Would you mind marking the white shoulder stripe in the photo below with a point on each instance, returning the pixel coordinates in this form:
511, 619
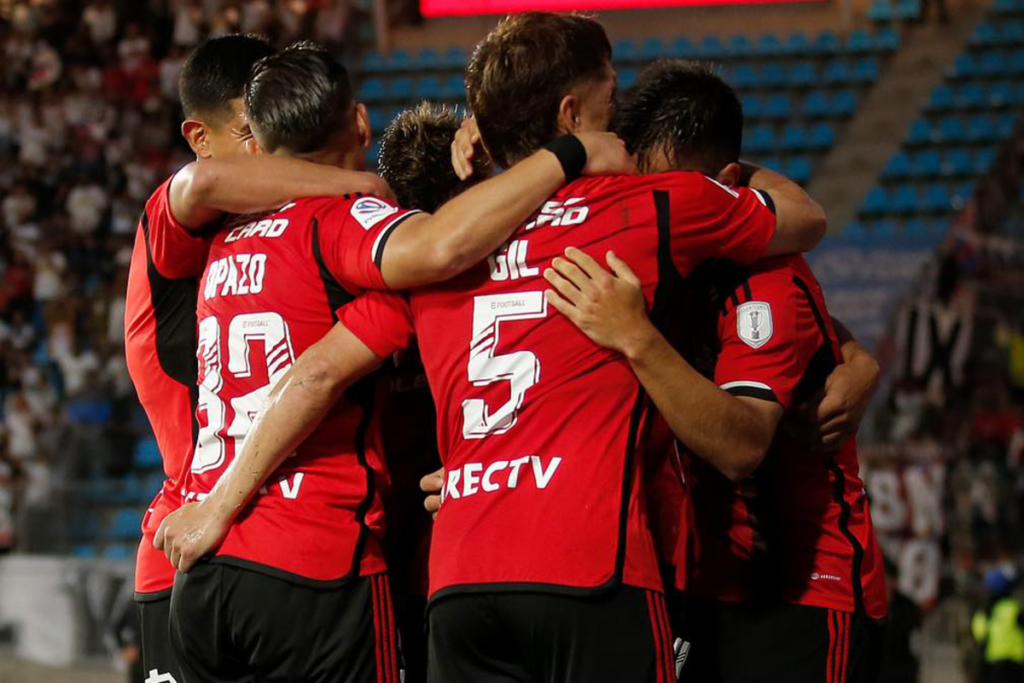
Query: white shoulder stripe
745, 383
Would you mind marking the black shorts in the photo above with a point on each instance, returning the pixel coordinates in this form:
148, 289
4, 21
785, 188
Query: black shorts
410, 616
721, 642
234, 625
621, 636
158, 660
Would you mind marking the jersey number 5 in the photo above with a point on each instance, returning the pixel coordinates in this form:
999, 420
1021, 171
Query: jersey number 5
520, 368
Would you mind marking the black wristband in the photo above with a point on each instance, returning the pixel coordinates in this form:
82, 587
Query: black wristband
571, 153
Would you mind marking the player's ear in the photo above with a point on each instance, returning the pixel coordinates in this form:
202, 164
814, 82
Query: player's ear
197, 136
569, 114
252, 147
363, 126
729, 175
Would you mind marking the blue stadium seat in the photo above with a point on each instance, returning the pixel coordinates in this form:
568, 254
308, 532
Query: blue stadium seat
711, 47
886, 227
373, 62
964, 66
84, 551
854, 229
453, 88
970, 96
905, 10
400, 60
625, 51
1012, 33
887, 39
961, 193
898, 167
957, 162
769, 45
920, 132
682, 48
802, 75
378, 119
371, 90
816, 104
880, 11
428, 88
926, 164
373, 154
984, 35
777, 106
915, 226
627, 77
837, 72
455, 58
866, 70
941, 99
752, 108
761, 139
797, 44
117, 551
773, 75
822, 136
876, 202
429, 59
843, 103
147, 454
125, 524
827, 43
799, 169
652, 49
794, 137
981, 128
936, 199
400, 88
983, 160
951, 130
1001, 94
903, 199
859, 41
1005, 125
740, 46
774, 163
1005, 7
743, 76
992, 64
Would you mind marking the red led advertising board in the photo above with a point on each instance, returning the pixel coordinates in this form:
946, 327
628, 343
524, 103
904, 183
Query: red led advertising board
440, 8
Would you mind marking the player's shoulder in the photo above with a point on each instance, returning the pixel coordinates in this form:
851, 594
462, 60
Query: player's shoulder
778, 276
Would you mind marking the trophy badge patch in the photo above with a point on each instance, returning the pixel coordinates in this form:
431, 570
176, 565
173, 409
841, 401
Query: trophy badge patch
754, 323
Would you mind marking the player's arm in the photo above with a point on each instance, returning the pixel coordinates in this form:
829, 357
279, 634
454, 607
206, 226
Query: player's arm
800, 222
463, 232
733, 433
206, 189
834, 419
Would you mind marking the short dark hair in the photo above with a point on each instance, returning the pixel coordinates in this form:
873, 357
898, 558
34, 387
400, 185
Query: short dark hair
298, 99
520, 72
415, 157
216, 73
685, 110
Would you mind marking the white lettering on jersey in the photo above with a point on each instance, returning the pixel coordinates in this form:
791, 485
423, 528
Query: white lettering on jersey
754, 323
370, 211
291, 490
555, 213
474, 478
156, 677
509, 263
235, 275
261, 228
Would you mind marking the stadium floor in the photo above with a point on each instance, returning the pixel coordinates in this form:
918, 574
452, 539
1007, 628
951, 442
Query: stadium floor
13, 670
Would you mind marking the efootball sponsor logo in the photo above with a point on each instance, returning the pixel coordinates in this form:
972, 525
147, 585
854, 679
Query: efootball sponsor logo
825, 577
370, 211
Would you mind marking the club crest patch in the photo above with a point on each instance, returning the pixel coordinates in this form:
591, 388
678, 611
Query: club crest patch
370, 211
754, 323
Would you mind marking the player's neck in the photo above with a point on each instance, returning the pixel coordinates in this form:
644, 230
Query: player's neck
346, 158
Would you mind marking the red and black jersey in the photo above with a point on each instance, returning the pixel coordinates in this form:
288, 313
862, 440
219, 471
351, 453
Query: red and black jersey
271, 289
799, 531
160, 339
542, 432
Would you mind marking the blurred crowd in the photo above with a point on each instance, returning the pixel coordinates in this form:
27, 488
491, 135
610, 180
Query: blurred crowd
89, 120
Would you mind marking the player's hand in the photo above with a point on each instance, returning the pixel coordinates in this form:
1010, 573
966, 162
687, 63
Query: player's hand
376, 185
608, 307
189, 533
431, 485
606, 155
465, 147
833, 420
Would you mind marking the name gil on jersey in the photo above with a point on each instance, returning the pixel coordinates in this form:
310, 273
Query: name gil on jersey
263, 228
475, 478
235, 275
